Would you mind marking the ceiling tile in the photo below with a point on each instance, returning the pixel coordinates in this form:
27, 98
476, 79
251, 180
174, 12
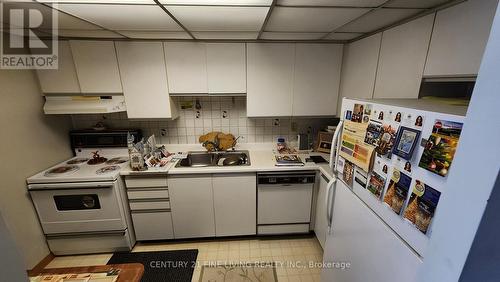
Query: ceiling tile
240, 35
217, 18
340, 3
416, 3
126, 17
292, 35
142, 34
343, 35
219, 2
378, 19
311, 19
64, 21
87, 33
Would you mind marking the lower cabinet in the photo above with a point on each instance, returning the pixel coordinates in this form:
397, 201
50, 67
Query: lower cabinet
192, 205
152, 225
235, 199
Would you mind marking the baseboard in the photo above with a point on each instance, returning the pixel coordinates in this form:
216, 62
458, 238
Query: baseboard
41, 265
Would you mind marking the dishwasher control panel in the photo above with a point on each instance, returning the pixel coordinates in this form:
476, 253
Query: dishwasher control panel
289, 178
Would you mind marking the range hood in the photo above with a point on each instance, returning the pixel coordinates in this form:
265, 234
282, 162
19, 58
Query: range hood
84, 104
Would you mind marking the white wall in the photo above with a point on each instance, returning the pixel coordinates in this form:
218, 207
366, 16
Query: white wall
475, 169
31, 141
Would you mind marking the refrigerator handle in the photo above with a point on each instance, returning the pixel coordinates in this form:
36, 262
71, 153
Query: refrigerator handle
333, 150
328, 200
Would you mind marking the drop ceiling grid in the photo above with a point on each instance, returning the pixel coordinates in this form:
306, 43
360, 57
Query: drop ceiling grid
338, 20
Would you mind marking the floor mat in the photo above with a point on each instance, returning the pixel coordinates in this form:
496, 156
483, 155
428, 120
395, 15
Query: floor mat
171, 266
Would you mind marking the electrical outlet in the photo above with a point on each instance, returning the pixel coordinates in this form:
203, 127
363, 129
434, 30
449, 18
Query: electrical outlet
163, 132
276, 122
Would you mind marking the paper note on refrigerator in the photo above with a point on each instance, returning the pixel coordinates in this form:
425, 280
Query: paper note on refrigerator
353, 148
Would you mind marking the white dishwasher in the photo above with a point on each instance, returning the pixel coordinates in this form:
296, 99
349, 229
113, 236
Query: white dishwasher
284, 202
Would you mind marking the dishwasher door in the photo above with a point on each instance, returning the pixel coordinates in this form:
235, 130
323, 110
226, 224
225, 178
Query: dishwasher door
284, 203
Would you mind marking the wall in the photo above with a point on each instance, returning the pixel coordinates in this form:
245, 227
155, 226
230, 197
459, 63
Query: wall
30, 143
472, 179
224, 114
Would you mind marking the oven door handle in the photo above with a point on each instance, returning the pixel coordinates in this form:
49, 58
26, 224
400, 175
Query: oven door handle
86, 234
79, 185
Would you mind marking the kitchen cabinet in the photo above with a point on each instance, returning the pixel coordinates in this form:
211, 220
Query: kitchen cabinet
316, 79
144, 78
359, 68
186, 67
192, 205
270, 79
459, 38
235, 204
226, 68
96, 66
402, 59
62, 80
321, 222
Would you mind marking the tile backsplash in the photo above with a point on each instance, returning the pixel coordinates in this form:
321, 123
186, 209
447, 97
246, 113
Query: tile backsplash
226, 114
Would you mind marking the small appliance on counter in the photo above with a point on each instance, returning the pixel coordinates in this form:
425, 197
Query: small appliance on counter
82, 203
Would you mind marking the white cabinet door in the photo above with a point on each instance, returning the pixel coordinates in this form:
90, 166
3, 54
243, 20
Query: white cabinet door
320, 222
316, 79
186, 67
226, 68
269, 79
62, 80
359, 68
235, 204
191, 202
144, 79
96, 66
402, 59
459, 38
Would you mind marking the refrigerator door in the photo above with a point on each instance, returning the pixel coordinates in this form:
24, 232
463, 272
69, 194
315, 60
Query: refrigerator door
358, 237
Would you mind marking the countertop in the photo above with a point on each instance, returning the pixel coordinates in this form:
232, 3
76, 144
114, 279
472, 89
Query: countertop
261, 160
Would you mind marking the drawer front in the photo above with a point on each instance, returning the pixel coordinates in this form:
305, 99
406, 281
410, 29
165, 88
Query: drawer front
146, 205
148, 194
144, 182
153, 225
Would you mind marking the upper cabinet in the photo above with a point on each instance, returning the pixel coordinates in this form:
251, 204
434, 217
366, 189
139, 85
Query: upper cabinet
316, 79
459, 38
359, 67
62, 80
201, 68
144, 79
402, 59
226, 68
270, 79
96, 66
186, 67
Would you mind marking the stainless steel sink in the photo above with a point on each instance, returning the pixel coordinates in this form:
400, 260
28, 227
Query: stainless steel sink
223, 158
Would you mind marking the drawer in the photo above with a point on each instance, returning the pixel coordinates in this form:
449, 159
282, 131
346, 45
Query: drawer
153, 225
144, 182
147, 194
149, 205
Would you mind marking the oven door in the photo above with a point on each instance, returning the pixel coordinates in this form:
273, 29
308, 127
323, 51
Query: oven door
78, 207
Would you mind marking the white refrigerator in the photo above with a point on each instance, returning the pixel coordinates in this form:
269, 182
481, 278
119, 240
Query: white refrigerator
367, 239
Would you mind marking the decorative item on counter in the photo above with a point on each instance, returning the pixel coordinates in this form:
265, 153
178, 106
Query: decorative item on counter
347, 173
146, 154
353, 148
422, 204
324, 143
406, 141
397, 191
288, 160
441, 146
217, 141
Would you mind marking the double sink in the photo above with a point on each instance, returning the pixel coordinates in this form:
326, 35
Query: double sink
222, 158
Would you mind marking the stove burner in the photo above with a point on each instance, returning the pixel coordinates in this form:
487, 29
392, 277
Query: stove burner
106, 169
61, 170
77, 161
118, 160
